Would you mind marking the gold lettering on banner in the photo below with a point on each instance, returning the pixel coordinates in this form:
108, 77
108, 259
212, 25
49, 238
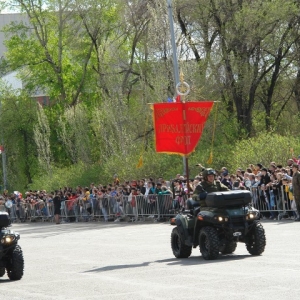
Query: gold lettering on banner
181, 128
203, 111
163, 111
183, 140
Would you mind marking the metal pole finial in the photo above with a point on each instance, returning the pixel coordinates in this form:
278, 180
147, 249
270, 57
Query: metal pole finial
181, 76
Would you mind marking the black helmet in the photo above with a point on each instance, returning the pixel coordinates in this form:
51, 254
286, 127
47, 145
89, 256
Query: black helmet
207, 172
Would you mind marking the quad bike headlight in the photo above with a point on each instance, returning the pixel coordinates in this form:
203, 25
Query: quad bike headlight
221, 219
7, 239
252, 215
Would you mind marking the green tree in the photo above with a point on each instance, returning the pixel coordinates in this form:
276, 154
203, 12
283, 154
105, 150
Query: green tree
52, 49
18, 117
246, 47
41, 132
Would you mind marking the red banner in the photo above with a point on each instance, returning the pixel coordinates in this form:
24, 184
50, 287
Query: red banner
178, 126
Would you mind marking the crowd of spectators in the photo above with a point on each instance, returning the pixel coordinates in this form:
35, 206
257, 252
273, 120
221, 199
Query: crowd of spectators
268, 184
95, 197
270, 180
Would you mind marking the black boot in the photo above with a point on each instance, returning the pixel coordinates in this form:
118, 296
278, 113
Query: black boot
298, 217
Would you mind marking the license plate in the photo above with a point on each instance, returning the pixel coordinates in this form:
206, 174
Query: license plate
237, 233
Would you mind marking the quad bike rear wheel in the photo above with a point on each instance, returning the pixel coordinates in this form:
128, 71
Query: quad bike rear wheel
180, 250
15, 267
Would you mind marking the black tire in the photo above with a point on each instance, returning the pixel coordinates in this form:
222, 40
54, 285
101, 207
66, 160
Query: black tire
257, 239
180, 250
229, 247
209, 243
15, 268
2, 271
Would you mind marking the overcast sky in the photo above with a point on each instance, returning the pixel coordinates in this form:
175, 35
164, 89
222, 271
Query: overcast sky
6, 10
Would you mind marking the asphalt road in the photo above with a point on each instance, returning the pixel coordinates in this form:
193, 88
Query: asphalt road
135, 261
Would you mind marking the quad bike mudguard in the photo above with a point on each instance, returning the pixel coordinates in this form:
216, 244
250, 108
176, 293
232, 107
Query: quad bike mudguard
182, 225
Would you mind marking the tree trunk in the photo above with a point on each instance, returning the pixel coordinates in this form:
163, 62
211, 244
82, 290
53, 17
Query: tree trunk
297, 89
26, 159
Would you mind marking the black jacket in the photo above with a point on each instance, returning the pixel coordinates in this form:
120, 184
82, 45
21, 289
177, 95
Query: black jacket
265, 179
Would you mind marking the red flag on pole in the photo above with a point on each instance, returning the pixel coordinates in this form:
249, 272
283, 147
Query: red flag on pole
179, 126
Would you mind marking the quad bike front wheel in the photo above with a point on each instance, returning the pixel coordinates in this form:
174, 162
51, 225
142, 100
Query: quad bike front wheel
209, 243
2, 271
257, 239
15, 267
180, 250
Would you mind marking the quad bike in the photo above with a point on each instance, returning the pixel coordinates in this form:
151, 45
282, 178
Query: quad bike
228, 219
11, 255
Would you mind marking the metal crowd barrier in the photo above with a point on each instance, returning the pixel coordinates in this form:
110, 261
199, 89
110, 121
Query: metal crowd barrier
272, 203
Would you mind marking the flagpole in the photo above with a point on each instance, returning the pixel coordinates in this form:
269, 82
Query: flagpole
183, 89
175, 66
174, 48
3, 158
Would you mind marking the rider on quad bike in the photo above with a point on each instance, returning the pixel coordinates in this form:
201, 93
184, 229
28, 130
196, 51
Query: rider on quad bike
216, 220
209, 184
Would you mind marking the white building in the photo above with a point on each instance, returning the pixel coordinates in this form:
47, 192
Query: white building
6, 19
11, 78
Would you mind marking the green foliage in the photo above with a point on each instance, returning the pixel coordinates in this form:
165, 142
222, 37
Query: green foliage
60, 48
264, 148
71, 176
154, 165
17, 119
42, 140
73, 129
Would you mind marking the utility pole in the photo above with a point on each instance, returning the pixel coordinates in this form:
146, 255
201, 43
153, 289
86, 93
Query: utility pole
3, 153
175, 66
